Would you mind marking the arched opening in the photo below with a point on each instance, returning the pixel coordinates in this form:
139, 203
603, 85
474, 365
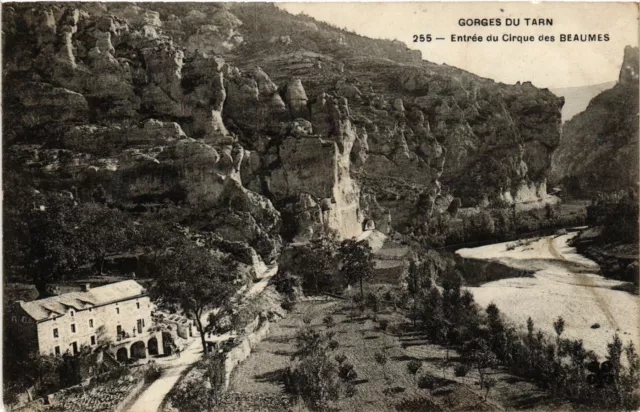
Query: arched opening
167, 340
121, 355
153, 346
138, 350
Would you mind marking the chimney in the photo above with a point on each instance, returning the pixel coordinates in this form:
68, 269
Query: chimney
86, 287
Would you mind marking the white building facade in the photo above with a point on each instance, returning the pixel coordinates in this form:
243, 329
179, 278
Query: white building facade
117, 315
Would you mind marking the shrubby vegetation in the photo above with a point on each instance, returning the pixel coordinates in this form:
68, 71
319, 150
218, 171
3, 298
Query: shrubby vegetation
201, 388
449, 316
499, 222
613, 241
617, 214
316, 377
194, 280
324, 266
52, 236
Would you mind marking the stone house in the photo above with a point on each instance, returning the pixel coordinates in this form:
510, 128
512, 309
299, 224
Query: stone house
117, 315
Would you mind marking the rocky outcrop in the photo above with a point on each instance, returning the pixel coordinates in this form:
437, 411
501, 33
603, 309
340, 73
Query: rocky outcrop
244, 123
599, 147
316, 169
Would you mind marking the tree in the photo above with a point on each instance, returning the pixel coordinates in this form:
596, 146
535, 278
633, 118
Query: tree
413, 367
316, 380
194, 280
454, 206
489, 383
356, 261
111, 231
315, 264
315, 377
481, 357
382, 358
373, 303
51, 235
558, 326
49, 242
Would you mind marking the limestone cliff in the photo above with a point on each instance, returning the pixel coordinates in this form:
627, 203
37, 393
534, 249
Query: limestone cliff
599, 147
426, 133
268, 126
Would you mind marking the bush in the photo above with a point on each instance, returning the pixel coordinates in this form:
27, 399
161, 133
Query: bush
414, 366
340, 358
461, 370
373, 302
328, 321
347, 372
315, 379
384, 323
287, 304
350, 390
192, 394
427, 381
152, 372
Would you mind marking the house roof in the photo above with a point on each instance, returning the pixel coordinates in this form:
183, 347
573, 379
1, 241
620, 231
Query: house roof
59, 305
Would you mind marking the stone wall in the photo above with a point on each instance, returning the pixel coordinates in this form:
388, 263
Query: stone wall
109, 396
241, 352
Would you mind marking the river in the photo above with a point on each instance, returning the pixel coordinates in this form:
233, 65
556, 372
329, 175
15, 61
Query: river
562, 283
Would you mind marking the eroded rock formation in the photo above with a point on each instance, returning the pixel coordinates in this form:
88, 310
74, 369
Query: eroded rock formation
268, 129
599, 147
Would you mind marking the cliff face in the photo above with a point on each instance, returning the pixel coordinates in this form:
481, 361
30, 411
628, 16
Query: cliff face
425, 133
274, 124
599, 147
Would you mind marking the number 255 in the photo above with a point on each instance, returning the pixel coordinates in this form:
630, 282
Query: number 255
421, 38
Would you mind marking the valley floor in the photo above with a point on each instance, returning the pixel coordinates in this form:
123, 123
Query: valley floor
256, 384
564, 284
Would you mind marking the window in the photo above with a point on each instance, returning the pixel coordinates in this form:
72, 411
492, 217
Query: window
119, 330
118, 311
93, 340
138, 305
57, 349
55, 333
71, 312
73, 328
90, 323
75, 348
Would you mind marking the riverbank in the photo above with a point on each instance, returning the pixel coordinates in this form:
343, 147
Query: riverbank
617, 260
563, 283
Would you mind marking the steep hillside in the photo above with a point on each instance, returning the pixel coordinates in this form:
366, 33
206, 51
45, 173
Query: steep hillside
270, 123
577, 98
599, 147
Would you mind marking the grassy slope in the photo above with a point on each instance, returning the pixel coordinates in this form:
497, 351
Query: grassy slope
359, 340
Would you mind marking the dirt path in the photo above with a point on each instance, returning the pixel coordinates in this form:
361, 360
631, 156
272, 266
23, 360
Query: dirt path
152, 397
